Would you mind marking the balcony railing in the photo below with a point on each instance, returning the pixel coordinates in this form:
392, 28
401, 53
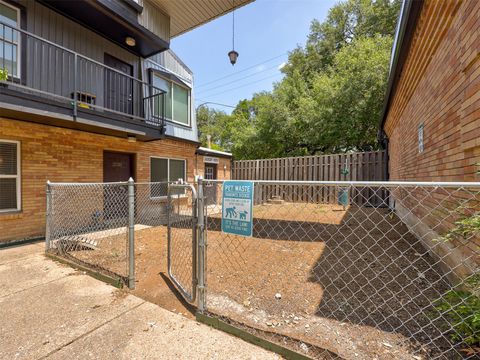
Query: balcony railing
36, 66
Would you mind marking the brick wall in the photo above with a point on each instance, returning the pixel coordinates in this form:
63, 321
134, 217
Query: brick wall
439, 87
64, 155
224, 167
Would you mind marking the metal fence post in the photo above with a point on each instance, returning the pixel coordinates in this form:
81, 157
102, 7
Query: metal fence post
48, 214
201, 247
131, 234
75, 81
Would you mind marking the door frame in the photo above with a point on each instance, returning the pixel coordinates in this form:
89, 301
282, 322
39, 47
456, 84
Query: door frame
106, 82
211, 189
116, 195
133, 162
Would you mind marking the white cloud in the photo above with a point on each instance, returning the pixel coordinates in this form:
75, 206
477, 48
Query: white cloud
260, 68
280, 67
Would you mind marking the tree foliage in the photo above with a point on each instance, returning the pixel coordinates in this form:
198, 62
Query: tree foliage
331, 96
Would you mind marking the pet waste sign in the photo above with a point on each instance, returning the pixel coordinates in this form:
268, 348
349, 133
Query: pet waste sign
237, 206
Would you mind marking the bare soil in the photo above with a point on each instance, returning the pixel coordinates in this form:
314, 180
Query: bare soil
353, 282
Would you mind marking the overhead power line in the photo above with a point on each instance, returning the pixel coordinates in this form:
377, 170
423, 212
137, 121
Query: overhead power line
242, 86
233, 81
238, 72
213, 103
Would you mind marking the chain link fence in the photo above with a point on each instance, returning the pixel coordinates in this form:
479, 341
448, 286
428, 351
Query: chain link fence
102, 226
396, 277
182, 243
333, 270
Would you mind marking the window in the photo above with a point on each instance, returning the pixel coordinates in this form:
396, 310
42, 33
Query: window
9, 39
177, 100
9, 175
420, 138
163, 170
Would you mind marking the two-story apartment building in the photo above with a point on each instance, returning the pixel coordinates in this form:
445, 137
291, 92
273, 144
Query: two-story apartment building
90, 92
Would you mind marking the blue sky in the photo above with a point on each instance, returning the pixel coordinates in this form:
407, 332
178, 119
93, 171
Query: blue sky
265, 31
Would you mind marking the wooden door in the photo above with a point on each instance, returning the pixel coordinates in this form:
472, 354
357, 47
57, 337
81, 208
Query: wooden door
117, 167
118, 88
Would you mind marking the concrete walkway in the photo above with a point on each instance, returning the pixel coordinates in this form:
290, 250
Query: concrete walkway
48, 310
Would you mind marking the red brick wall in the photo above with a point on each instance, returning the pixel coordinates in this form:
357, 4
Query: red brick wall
64, 155
223, 167
439, 87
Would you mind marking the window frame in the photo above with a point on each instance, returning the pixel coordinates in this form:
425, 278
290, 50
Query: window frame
18, 43
168, 173
18, 177
189, 93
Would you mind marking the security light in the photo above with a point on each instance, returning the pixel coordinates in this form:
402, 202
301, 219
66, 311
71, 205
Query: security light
130, 41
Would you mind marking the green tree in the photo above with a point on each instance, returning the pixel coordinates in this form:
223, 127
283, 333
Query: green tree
331, 96
345, 22
226, 131
347, 99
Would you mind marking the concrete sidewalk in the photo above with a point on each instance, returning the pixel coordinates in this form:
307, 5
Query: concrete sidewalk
48, 310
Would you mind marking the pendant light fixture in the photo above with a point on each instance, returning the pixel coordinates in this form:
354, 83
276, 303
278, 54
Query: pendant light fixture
233, 55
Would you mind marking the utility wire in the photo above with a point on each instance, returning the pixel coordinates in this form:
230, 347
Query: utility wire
238, 72
239, 87
233, 81
213, 103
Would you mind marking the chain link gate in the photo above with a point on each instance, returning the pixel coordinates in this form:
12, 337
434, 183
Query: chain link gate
360, 270
182, 239
357, 270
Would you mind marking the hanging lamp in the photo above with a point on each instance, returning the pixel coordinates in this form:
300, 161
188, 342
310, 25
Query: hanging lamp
233, 55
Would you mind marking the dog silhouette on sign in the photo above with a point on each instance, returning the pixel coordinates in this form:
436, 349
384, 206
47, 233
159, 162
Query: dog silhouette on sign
231, 212
243, 215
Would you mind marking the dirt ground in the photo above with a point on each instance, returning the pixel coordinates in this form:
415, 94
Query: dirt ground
353, 282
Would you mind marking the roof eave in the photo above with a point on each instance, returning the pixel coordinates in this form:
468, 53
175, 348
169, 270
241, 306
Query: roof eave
406, 25
183, 31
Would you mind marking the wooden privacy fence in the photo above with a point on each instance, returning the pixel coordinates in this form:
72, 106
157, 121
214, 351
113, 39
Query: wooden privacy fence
360, 166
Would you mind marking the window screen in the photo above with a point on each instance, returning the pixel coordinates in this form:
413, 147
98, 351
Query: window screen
159, 170
177, 170
177, 107
165, 170
9, 176
165, 86
180, 104
158, 173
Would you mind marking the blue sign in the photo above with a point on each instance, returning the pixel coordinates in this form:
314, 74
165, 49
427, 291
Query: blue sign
237, 208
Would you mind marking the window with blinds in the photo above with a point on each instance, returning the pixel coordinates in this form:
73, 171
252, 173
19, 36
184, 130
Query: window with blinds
9, 176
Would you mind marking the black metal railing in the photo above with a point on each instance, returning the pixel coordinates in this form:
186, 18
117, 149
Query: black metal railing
40, 67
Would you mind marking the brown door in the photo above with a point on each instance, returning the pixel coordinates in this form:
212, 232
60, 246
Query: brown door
211, 188
118, 88
117, 167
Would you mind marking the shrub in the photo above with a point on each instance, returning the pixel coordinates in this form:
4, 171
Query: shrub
3, 74
461, 308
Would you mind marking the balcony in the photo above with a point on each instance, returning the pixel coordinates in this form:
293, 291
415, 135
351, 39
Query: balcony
44, 82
